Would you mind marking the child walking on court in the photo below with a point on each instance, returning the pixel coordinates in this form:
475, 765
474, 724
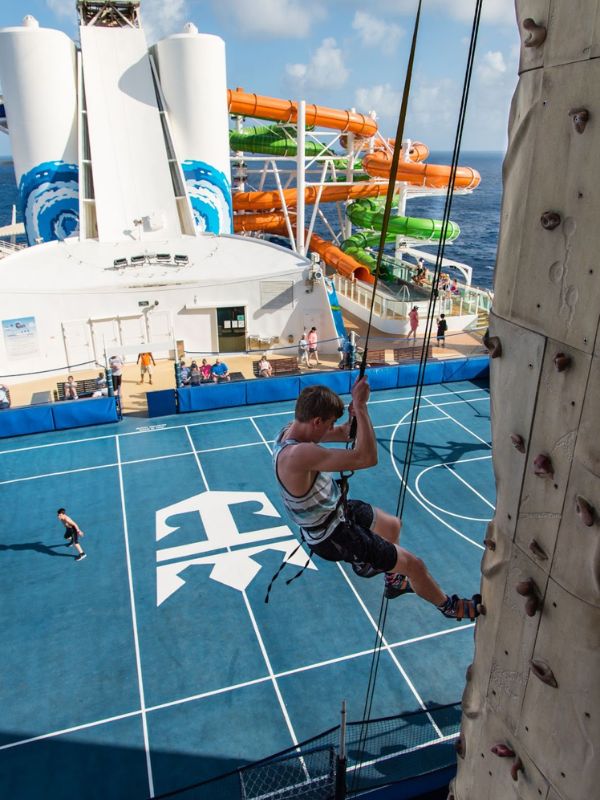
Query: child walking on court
337, 529
72, 533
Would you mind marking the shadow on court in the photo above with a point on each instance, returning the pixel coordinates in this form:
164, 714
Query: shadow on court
39, 547
63, 768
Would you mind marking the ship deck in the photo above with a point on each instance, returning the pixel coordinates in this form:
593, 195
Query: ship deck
142, 669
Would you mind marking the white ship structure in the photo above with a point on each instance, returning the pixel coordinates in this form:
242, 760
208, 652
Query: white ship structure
121, 155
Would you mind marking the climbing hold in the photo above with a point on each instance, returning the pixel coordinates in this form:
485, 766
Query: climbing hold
550, 220
517, 766
490, 544
460, 745
502, 751
492, 343
562, 362
525, 588
538, 550
518, 442
535, 34
580, 117
542, 671
542, 466
585, 511
532, 605
529, 590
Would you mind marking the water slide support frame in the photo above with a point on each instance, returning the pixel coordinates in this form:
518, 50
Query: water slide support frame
284, 207
301, 177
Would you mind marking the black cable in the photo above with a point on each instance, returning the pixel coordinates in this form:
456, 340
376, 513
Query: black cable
384, 227
423, 359
438, 264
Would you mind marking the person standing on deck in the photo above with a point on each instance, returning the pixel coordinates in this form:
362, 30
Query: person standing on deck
335, 528
442, 327
313, 343
413, 319
146, 362
116, 367
72, 533
303, 351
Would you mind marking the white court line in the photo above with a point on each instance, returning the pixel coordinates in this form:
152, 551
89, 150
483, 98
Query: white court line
138, 659
261, 643
391, 654
446, 466
53, 474
468, 485
73, 729
231, 419
464, 427
418, 499
231, 688
185, 453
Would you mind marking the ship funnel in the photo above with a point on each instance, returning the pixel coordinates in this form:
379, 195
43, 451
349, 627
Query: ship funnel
38, 76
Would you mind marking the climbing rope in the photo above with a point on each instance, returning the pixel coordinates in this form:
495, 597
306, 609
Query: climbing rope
428, 328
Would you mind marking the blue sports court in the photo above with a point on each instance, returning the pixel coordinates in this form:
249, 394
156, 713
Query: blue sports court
155, 663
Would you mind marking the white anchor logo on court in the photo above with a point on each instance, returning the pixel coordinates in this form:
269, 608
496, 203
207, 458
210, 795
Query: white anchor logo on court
227, 549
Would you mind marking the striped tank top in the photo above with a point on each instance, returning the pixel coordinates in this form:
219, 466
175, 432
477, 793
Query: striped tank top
318, 511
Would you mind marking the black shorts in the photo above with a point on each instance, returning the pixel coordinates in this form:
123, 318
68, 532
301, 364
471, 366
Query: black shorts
117, 382
354, 541
71, 533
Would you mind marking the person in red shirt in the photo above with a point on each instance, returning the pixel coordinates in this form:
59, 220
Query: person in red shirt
413, 319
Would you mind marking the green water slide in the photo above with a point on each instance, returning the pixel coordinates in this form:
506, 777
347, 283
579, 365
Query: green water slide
368, 213
280, 140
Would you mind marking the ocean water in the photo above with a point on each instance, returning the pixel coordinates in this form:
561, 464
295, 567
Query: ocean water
477, 214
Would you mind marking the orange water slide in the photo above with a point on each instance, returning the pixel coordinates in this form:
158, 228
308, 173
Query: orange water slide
343, 263
434, 176
263, 201
263, 107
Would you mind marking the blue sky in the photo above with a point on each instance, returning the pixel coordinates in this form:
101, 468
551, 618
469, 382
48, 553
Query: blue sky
345, 53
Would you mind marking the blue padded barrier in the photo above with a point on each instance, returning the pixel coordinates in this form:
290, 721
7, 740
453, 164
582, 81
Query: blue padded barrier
268, 390
338, 381
161, 403
21, 421
379, 377
466, 369
77, 413
434, 372
407, 375
219, 395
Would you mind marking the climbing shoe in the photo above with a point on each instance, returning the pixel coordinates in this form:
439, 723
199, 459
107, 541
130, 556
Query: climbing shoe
395, 585
459, 608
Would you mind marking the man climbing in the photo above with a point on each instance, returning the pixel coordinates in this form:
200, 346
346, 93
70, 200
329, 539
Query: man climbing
351, 531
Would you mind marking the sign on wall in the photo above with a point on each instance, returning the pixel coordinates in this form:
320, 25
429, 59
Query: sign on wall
20, 336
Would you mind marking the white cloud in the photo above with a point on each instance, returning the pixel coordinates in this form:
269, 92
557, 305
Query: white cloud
376, 32
381, 98
161, 18
433, 108
287, 19
325, 70
494, 12
492, 67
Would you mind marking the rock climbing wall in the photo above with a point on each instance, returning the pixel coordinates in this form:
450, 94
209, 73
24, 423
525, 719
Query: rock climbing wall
531, 707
